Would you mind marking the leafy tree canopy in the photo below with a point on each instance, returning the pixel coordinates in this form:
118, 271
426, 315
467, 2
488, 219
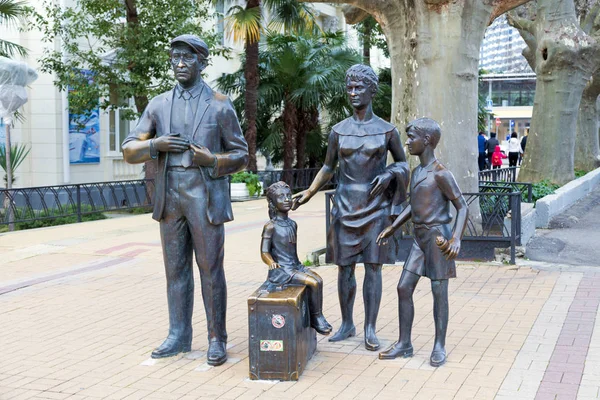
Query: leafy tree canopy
125, 43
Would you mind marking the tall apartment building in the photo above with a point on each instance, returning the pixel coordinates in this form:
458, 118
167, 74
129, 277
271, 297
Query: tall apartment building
501, 48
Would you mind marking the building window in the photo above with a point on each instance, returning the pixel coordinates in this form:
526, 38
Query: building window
118, 127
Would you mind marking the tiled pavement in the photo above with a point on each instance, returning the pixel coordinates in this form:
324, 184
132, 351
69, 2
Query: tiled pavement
82, 307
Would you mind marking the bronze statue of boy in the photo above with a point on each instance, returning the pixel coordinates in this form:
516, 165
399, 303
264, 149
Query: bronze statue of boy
432, 189
278, 250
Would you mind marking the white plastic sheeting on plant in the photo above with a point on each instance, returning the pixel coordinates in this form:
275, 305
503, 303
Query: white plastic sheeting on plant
14, 77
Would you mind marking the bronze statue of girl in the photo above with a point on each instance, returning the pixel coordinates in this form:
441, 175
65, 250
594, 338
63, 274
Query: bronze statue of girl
278, 251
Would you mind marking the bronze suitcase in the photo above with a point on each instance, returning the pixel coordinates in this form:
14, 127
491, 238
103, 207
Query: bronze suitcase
281, 339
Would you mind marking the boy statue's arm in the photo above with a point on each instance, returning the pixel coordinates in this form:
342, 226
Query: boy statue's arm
447, 184
398, 222
462, 211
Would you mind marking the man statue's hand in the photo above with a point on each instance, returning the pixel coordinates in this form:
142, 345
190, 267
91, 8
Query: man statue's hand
171, 143
380, 183
202, 156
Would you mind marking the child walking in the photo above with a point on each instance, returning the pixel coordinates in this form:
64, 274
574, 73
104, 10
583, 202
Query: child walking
497, 157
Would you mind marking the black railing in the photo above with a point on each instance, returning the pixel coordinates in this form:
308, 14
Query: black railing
298, 179
483, 232
508, 174
48, 202
508, 187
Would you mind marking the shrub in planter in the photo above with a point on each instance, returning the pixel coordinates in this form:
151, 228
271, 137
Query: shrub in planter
250, 179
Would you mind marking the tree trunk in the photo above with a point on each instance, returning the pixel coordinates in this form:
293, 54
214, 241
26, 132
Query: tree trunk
251, 95
366, 42
587, 146
434, 51
434, 58
565, 58
289, 132
141, 102
307, 120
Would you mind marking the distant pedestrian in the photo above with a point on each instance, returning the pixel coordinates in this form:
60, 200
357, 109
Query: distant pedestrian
514, 149
490, 147
523, 144
481, 142
497, 157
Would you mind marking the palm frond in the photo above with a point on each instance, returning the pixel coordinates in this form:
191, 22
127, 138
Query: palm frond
244, 24
18, 152
11, 11
10, 49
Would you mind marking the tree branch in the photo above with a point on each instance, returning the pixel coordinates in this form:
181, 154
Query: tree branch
501, 7
526, 28
521, 24
591, 21
353, 14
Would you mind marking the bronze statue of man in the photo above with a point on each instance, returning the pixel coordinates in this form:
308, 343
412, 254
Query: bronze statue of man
196, 137
367, 195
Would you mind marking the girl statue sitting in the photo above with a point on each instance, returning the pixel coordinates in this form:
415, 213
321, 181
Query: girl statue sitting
278, 251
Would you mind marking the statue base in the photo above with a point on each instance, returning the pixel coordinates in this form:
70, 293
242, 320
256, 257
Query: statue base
281, 338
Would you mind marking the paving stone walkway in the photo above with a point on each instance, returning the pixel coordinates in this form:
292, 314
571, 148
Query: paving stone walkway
82, 306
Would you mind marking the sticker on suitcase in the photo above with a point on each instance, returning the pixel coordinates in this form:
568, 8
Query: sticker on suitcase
278, 321
271, 345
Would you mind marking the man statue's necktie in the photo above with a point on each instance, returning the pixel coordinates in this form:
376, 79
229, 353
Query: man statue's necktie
188, 115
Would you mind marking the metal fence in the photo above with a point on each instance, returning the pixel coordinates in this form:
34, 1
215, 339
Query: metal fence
48, 202
508, 174
298, 179
508, 187
484, 232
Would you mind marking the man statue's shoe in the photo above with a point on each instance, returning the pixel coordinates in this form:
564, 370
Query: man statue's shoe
320, 324
217, 354
438, 358
396, 350
171, 347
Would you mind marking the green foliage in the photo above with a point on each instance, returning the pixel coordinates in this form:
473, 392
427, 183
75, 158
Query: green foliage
579, 173
18, 152
543, 188
377, 37
382, 102
11, 13
126, 50
250, 179
40, 223
482, 113
307, 263
308, 70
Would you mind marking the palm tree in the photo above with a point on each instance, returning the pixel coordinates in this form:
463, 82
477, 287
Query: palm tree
245, 25
300, 76
11, 12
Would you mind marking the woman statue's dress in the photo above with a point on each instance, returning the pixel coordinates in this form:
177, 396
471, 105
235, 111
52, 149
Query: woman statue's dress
360, 149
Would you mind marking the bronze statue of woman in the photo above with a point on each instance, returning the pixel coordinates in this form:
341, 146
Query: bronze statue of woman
368, 194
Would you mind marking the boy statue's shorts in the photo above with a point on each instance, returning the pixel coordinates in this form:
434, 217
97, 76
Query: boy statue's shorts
426, 258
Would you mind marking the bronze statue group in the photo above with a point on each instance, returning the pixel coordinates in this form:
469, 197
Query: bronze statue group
194, 134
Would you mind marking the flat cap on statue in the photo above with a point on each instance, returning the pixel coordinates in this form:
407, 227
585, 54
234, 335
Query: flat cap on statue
197, 44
